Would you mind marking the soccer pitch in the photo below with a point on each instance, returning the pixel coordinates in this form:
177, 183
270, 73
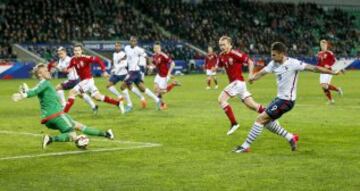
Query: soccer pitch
185, 147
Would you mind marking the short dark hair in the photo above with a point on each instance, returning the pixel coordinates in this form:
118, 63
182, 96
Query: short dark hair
279, 46
79, 45
118, 42
157, 43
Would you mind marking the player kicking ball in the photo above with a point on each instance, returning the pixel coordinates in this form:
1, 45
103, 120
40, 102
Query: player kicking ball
51, 111
286, 70
164, 65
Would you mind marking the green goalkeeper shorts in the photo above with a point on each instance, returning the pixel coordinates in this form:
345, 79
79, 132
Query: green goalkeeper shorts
64, 123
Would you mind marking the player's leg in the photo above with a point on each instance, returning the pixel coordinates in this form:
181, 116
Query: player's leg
223, 102
140, 84
324, 83
128, 82
215, 81
252, 104
111, 85
124, 88
208, 80
65, 125
71, 99
332, 87
170, 86
160, 88
103, 98
61, 94
160, 93
90, 102
93, 131
268, 119
149, 93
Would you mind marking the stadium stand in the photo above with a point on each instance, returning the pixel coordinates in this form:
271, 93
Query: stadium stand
253, 25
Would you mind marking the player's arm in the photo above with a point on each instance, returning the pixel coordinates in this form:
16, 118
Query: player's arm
101, 63
257, 75
319, 69
25, 92
172, 66
251, 67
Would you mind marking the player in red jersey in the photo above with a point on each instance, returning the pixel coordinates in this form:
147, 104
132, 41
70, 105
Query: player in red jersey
327, 59
232, 61
164, 65
82, 65
210, 67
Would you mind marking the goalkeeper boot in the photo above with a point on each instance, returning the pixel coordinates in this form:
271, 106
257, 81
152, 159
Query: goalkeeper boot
46, 141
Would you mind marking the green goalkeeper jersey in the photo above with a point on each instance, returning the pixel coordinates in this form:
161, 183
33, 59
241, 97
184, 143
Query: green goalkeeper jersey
49, 100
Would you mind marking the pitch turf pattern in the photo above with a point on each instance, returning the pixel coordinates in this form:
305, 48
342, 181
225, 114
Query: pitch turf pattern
195, 151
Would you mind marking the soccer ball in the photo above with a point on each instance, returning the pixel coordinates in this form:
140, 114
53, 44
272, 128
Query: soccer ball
82, 141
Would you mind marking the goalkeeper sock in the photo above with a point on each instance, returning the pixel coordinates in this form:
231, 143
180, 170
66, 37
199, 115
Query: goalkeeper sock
93, 131
64, 137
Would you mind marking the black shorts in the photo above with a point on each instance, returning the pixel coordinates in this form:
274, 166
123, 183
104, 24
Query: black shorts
278, 107
116, 78
69, 84
133, 77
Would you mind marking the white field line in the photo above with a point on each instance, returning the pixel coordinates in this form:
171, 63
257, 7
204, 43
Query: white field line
141, 145
92, 139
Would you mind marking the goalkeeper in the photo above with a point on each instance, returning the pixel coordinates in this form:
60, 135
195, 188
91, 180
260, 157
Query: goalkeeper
51, 111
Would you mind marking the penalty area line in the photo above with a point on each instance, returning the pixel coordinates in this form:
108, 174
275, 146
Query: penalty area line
130, 145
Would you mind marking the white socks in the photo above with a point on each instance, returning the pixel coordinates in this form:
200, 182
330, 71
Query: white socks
113, 90
137, 92
127, 97
62, 97
152, 95
88, 100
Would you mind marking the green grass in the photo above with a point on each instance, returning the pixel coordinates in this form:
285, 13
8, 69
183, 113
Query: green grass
195, 152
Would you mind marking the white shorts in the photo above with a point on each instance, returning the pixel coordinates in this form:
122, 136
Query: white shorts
237, 88
161, 81
210, 72
87, 86
325, 78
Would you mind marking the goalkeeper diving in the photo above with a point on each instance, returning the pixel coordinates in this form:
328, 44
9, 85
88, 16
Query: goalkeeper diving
52, 114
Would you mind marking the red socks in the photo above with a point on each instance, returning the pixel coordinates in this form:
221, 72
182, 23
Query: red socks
68, 105
230, 114
170, 87
328, 94
261, 109
111, 101
333, 88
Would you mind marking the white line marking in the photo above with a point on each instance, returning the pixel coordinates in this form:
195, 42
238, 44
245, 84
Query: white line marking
76, 152
92, 139
136, 145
